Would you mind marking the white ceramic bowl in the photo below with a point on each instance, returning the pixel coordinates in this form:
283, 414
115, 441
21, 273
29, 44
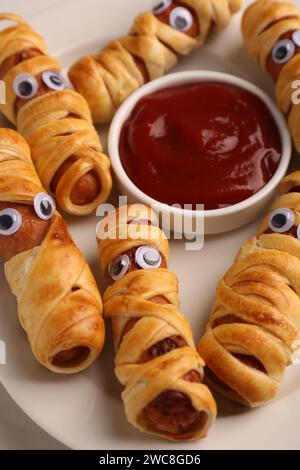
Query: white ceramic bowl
215, 220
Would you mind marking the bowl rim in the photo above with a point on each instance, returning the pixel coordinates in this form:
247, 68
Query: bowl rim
189, 77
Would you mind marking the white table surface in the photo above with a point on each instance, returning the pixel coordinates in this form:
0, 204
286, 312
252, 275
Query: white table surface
17, 431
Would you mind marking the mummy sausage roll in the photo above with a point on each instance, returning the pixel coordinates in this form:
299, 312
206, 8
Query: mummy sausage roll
58, 301
151, 48
271, 31
254, 330
156, 359
56, 122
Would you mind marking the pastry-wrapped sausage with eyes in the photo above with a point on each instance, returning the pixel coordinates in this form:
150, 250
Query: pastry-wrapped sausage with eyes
254, 330
56, 121
59, 304
271, 29
151, 48
156, 359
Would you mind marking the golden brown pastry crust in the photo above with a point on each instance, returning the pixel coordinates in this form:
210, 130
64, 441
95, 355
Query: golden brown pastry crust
59, 303
108, 78
264, 22
262, 291
130, 298
57, 125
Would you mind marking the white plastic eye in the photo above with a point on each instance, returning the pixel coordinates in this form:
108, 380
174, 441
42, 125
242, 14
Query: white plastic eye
44, 206
283, 51
159, 6
296, 37
25, 86
296, 352
10, 221
118, 267
281, 220
53, 80
148, 257
181, 19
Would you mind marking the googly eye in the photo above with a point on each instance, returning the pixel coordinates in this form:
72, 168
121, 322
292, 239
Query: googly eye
148, 257
281, 220
296, 352
118, 267
53, 80
159, 6
181, 19
44, 206
10, 221
283, 51
296, 37
25, 86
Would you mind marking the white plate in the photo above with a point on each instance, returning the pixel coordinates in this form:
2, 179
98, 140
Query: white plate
85, 411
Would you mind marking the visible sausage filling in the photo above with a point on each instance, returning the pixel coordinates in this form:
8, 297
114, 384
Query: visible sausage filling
275, 68
132, 264
88, 187
142, 68
163, 347
295, 189
292, 231
172, 412
246, 359
158, 299
223, 387
250, 361
228, 319
31, 233
42, 90
71, 357
16, 59
193, 31
85, 190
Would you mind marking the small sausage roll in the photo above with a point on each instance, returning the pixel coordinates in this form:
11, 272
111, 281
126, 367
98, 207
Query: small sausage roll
59, 304
150, 49
254, 330
271, 31
156, 359
56, 121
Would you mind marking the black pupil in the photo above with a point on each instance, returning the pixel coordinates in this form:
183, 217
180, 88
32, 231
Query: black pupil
6, 222
25, 88
279, 220
151, 257
159, 6
180, 22
46, 207
118, 266
281, 52
56, 80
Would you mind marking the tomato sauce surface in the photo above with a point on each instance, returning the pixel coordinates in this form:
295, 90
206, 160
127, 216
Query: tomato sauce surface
205, 143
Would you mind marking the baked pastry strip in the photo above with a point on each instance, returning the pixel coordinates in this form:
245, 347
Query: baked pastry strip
151, 49
56, 121
271, 31
59, 304
254, 329
156, 359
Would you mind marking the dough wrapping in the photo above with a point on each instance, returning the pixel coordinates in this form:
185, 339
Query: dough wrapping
133, 299
108, 78
59, 304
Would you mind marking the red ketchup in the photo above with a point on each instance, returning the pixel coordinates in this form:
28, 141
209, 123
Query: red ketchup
202, 143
